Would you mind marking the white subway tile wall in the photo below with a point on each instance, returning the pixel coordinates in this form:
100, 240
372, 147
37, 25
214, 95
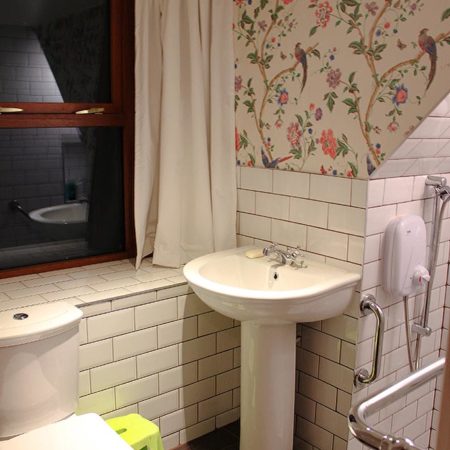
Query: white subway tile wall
325, 216
412, 416
169, 369
321, 214
161, 353
331, 222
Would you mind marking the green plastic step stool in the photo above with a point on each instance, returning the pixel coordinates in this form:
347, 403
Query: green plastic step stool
139, 433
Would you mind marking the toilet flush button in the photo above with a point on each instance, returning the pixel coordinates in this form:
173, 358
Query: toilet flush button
20, 316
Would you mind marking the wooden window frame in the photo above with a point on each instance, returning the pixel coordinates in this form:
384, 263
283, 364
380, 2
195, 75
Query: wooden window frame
118, 113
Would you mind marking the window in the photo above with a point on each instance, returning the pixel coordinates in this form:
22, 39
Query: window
66, 133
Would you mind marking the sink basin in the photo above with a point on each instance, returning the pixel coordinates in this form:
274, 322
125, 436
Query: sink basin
260, 288
269, 298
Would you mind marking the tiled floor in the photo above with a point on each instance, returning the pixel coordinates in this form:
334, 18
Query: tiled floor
226, 438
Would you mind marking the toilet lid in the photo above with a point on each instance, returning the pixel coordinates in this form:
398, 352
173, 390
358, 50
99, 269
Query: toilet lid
85, 432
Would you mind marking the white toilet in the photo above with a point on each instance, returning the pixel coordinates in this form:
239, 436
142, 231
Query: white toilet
39, 383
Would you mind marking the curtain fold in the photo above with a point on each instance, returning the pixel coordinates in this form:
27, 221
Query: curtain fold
185, 198
148, 69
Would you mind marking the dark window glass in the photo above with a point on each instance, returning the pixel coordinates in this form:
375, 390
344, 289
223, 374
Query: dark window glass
61, 191
55, 51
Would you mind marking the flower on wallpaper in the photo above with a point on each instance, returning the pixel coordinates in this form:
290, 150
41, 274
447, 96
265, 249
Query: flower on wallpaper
372, 7
393, 127
283, 97
318, 114
243, 2
286, 2
334, 78
401, 95
294, 134
323, 11
328, 142
262, 25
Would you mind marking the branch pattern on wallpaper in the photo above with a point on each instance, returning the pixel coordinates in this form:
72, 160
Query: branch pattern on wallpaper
300, 102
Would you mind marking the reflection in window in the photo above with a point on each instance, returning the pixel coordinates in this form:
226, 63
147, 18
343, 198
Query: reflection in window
55, 51
61, 191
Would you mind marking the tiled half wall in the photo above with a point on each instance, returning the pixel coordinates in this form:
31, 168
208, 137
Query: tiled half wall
411, 416
164, 355
327, 218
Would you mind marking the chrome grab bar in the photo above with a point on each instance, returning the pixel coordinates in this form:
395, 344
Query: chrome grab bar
375, 439
362, 376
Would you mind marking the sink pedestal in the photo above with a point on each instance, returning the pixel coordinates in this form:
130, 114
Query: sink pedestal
267, 384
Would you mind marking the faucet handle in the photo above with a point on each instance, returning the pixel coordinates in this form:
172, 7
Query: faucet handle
296, 252
270, 248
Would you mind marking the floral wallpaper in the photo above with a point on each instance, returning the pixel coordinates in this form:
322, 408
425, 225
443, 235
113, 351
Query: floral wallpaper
335, 86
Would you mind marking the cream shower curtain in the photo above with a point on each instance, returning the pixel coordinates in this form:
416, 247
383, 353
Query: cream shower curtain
185, 189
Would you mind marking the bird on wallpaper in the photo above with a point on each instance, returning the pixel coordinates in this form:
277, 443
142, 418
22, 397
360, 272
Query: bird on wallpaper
300, 56
428, 45
274, 163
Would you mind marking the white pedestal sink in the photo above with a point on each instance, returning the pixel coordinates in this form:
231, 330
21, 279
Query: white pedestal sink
268, 299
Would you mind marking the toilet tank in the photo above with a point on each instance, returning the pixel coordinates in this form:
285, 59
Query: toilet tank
38, 366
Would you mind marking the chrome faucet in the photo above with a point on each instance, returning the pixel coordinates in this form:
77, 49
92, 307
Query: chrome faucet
286, 257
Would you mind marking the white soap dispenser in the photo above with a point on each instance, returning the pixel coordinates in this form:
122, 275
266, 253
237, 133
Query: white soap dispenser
404, 271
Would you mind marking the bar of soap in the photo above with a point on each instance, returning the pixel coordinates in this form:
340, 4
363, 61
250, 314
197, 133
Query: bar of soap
254, 253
